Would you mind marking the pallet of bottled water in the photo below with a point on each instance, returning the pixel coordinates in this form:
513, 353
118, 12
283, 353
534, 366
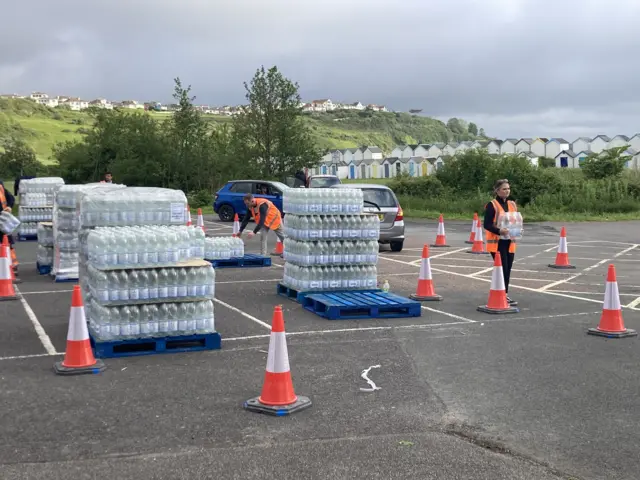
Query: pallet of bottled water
44, 255
35, 214
340, 252
132, 206
131, 322
8, 223
325, 278
36, 204
223, 248
332, 227
323, 201
193, 282
142, 246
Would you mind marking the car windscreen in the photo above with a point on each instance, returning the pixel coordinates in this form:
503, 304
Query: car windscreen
323, 182
376, 196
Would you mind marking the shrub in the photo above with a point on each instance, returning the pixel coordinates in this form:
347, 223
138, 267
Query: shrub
199, 199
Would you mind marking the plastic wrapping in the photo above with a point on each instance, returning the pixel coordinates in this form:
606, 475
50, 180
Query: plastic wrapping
36, 203
132, 206
513, 222
45, 256
8, 223
223, 248
332, 227
45, 234
309, 279
323, 201
342, 252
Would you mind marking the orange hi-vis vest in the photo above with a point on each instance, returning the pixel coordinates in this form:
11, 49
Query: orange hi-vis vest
3, 207
492, 238
273, 219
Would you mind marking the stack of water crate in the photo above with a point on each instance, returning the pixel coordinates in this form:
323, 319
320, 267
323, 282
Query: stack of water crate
146, 285
331, 256
36, 204
45, 248
225, 252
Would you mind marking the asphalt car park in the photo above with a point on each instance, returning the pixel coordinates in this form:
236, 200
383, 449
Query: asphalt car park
461, 394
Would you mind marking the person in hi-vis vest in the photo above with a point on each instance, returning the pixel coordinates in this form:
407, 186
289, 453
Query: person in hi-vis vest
267, 217
495, 244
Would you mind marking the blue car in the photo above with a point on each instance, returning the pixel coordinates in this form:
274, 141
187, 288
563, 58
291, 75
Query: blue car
228, 200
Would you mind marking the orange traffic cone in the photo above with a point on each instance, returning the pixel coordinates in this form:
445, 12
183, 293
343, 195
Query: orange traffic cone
611, 322
78, 358
278, 397
236, 225
7, 292
472, 235
478, 242
201, 220
497, 293
10, 254
441, 238
279, 248
425, 291
562, 257
189, 216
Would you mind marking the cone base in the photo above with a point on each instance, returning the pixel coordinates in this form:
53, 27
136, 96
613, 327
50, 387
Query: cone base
10, 297
477, 253
497, 311
628, 332
254, 405
469, 242
438, 246
430, 298
276, 254
98, 367
561, 267
17, 280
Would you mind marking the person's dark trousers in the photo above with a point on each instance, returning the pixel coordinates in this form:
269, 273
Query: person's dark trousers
507, 260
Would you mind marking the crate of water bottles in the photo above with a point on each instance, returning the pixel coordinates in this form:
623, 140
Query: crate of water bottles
36, 203
322, 201
223, 248
34, 215
44, 255
332, 227
8, 223
340, 252
146, 321
317, 278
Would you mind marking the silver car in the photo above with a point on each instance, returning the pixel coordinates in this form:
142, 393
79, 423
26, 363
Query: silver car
381, 200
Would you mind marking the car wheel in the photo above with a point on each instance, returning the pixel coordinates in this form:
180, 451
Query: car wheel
226, 213
396, 246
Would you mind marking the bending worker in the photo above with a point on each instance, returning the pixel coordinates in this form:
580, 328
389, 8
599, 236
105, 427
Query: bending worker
267, 217
7, 201
495, 244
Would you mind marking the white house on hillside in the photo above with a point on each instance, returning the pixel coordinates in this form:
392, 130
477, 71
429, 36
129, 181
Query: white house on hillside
634, 142
618, 141
565, 159
508, 145
539, 147
599, 143
555, 146
581, 144
493, 147
524, 145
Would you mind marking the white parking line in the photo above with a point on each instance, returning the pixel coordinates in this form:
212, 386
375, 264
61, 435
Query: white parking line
244, 314
457, 317
42, 335
634, 303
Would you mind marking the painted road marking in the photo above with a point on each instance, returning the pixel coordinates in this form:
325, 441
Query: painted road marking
42, 335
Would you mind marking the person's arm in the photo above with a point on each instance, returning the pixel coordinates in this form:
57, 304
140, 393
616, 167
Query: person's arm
264, 208
245, 221
489, 214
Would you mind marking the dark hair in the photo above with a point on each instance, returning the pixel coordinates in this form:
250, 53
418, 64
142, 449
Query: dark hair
248, 196
499, 183
107, 173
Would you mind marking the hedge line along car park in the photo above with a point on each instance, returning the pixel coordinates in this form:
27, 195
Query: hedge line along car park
378, 199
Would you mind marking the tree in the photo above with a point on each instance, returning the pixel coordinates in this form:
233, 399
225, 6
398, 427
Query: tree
546, 162
269, 132
482, 134
473, 129
18, 159
455, 126
608, 163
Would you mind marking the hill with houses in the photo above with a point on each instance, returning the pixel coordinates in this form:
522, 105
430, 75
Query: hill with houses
41, 122
418, 160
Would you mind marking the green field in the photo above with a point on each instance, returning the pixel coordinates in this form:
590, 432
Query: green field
43, 127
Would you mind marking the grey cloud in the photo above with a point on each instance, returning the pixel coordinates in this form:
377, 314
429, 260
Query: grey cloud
516, 67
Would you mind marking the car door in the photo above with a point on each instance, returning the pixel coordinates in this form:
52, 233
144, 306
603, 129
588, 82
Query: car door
270, 192
237, 191
381, 202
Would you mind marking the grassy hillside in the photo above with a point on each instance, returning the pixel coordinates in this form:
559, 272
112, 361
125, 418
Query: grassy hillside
43, 127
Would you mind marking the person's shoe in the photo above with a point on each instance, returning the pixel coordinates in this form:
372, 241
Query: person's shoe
512, 303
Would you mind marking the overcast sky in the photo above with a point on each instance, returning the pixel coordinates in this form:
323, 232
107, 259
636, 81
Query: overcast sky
515, 67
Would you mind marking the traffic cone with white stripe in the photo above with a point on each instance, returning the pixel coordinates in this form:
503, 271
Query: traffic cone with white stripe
472, 235
78, 358
478, 242
189, 216
7, 292
7, 247
200, 221
277, 397
611, 321
562, 257
441, 238
236, 225
498, 302
279, 248
425, 291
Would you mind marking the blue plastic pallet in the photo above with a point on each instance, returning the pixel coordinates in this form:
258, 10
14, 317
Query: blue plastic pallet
352, 305
249, 260
66, 280
27, 238
298, 296
150, 346
43, 269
